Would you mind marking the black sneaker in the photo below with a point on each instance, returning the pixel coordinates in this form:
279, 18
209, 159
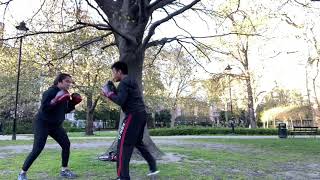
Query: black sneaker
108, 157
22, 176
68, 174
153, 173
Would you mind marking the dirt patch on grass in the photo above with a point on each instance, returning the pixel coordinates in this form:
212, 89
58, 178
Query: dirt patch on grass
167, 158
298, 170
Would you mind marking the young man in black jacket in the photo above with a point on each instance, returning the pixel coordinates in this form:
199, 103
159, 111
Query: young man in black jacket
128, 96
55, 103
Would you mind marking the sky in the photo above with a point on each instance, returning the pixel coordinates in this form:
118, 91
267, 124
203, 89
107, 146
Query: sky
287, 69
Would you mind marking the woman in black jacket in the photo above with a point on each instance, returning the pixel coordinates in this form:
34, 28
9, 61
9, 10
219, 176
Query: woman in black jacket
55, 103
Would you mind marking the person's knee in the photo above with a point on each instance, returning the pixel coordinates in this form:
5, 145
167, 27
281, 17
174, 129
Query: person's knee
37, 150
66, 145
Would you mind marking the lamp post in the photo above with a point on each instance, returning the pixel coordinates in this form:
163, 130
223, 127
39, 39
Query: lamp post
228, 69
21, 27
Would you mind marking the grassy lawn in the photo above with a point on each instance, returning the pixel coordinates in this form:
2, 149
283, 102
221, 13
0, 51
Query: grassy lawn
50, 141
310, 146
111, 133
108, 133
200, 159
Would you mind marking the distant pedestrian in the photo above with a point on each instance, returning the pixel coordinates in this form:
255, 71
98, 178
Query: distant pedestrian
1, 131
232, 125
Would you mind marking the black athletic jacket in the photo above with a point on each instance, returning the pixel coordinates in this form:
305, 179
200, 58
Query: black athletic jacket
53, 114
128, 96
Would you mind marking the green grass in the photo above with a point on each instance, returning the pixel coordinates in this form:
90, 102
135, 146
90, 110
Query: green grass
295, 145
201, 159
50, 141
17, 142
112, 133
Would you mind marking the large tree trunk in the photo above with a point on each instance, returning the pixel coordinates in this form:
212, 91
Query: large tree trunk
173, 114
316, 115
129, 19
173, 117
89, 115
251, 115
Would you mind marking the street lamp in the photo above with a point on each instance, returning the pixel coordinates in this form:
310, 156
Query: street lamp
228, 69
21, 27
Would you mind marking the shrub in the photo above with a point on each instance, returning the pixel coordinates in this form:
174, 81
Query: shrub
23, 127
67, 125
210, 131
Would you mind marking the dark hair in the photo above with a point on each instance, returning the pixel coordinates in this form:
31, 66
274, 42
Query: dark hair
119, 65
60, 77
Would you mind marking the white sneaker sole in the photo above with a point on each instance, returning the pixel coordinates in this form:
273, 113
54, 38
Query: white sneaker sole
153, 173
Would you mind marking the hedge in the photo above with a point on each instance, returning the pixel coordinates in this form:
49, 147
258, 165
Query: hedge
27, 128
22, 128
210, 131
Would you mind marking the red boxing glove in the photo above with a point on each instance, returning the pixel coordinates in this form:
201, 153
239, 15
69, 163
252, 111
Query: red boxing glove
61, 96
76, 98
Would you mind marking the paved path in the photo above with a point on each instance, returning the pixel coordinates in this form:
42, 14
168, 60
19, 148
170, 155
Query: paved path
104, 143
28, 137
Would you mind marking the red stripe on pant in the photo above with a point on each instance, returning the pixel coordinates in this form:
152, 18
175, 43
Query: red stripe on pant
123, 136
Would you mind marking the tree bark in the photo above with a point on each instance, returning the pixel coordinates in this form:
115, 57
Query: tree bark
89, 126
173, 117
251, 115
173, 113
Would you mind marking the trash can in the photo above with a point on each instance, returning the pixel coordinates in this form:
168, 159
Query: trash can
282, 130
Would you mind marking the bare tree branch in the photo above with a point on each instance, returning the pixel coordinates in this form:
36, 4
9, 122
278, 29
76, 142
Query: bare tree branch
302, 4
198, 48
210, 48
97, 10
290, 21
115, 30
41, 6
156, 55
175, 22
45, 32
97, 26
5, 9
95, 103
97, 39
195, 58
157, 23
109, 45
181, 37
159, 4
5, 3
162, 41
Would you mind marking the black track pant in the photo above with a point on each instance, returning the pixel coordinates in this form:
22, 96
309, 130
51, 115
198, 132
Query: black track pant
130, 136
41, 132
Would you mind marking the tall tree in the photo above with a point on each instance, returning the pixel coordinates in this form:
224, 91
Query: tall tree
128, 20
177, 73
133, 24
249, 25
